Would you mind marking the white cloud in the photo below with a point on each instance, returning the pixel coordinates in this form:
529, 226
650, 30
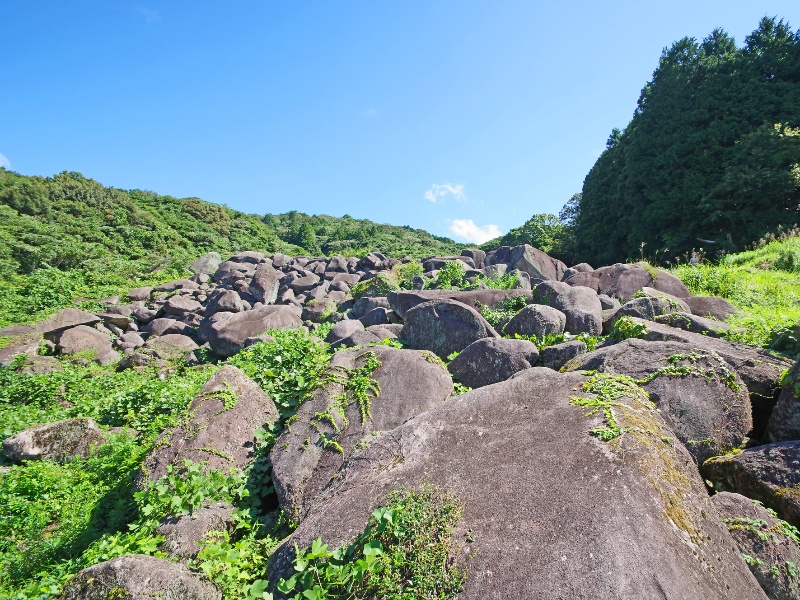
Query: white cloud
466, 228
4, 162
440, 191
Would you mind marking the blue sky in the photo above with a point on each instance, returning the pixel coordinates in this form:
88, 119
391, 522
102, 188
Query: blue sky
460, 117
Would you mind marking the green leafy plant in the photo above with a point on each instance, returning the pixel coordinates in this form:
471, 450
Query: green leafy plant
626, 328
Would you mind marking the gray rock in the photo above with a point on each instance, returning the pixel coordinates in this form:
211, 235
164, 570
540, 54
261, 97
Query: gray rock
26, 344
764, 538
140, 293
318, 311
402, 301
343, 329
171, 346
695, 324
265, 284
367, 303
224, 301
478, 256
664, 303
60, 441
490, 360
357, 338
143, 314
221, 430
580, 305
784, 422
248, 257
64, 319
556, 356
139, 577
83, 339
526, 258
377, 316
183, 534
551, 511
607, 302
410, 383
208, 263
711, 307
538, 320
444, 326
180, 306
623, 281
698, 393
132, 338
767, 473
231, 334
180, 284
304, 284
164, 326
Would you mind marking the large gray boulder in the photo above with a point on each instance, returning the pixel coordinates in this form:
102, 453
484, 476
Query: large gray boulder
536, 319
702, 399
444, 326
772, 549
784, 422
490, 360
139, 577
184, 534
623, 281
64, 319
767, 473
220, 431
711, 307
265, 284
208, 263
580, 305
556, 356
25, 342
551, 511
311, 449
180, 284
180, 306
528, 259
695, 324
224, 301
58, 441
402, 301
86, 339
233, 333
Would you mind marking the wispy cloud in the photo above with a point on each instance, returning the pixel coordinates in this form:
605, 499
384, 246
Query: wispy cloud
150, 15
4, 162
467, 229
440, 191
371, 113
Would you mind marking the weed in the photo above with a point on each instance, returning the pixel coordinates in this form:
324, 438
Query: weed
626, 328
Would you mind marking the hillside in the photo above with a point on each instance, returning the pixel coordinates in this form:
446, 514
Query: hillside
67, 236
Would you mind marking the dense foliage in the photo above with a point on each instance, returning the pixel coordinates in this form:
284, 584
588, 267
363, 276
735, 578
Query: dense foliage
711, 157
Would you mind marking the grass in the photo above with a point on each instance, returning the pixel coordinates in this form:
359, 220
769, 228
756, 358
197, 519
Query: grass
764, 284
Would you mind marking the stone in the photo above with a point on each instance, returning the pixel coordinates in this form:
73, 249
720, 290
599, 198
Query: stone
239, 330
171, 346
343, 329
784, 422
665, 303
143, 314
132, 338
766, 473
139, 577
607, 302
26, 344
265, 284
165, 325
64, 319
402, 301
711, 307
760, 535
536, 319
357, 338
224, 301
695, 324
367, 303
318, 311
304, 284
83, 339
551, 511
444, 326
622, 281
556, 356
248, 257
140, 293
526, 258
207, 264
337, 264
184, 534
180, 306
60, 441
580, 305
490, 360
180, 284
304, 456
478, 256
221, 431
699, 395
377, 316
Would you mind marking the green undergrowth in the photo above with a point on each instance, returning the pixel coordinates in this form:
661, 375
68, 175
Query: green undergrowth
505, 310
405, 552
764, 284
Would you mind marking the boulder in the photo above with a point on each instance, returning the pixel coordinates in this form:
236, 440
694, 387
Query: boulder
773, 550
139, 577
248, 256
265, 284
367, 303
695, 324
166, 325
490, 360
311, 450
580, 305
85, 339
183, 534
64, 319
40, 365
171, 346
223, 421
231, 334
550, 511
26, 344
607, 302
208, 263
402, 301
767, 473
343, 329
536, 319
711, 307
526, 258
697, 392
180, 306
318, 311
478, 256
377, 316
140, 293
304, 284
556, 356
664, 303
60, 441
143, 314
623, 281
357, 338
784, 422
759, 370
180, 284
224, 301
444, 326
